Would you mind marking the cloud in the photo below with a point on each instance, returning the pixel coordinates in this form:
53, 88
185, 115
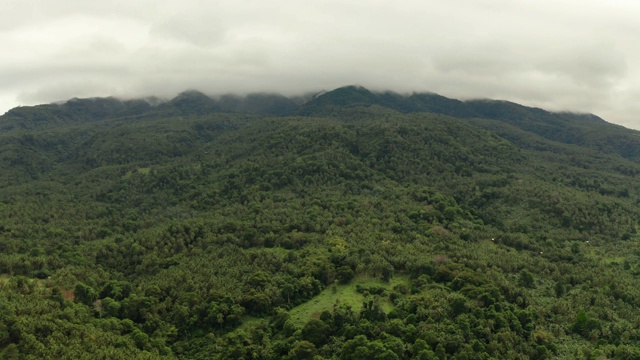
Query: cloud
563, 55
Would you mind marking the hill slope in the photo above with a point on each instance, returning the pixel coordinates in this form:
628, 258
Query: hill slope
579, 129
180, 230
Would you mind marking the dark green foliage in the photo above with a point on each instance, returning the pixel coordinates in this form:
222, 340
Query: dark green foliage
85, 293
361, 348
191, 229
10, 352
118, 290
560, 289
344, 274
527, 280
316, 332
302, 350
585, 324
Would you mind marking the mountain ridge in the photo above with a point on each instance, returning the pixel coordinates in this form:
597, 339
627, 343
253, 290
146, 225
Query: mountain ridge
582, 129
193, 100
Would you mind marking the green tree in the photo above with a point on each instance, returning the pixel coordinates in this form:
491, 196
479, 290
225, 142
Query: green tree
344, 274
302, 350
316, 332
85, 293
526, 279
10, 353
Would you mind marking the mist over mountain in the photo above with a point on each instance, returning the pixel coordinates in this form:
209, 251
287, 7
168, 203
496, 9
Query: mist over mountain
572, 128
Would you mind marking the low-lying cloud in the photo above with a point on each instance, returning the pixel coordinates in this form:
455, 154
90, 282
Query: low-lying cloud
561, 55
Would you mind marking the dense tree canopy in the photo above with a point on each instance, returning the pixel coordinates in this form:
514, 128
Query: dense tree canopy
356, 226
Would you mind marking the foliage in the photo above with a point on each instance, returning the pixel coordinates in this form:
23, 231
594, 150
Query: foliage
367, 228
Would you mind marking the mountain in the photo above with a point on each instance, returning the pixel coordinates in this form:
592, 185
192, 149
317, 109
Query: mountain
189, 103
348, 96
72, 111
354, 225
571, 128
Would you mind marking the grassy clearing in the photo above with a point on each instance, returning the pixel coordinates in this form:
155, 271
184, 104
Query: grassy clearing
344, 294
607, 256
613, 260
248, 322
143, 171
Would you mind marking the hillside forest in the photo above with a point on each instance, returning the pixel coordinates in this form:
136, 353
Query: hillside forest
346, 225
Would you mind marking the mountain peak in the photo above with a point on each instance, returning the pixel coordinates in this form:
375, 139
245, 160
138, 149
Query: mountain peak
190, 102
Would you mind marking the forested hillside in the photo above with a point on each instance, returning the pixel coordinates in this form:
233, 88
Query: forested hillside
348, 225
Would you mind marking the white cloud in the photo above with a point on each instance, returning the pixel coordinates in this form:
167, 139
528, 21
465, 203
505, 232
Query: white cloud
562, 55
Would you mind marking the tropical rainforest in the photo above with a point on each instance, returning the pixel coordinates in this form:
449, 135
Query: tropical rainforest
345, 225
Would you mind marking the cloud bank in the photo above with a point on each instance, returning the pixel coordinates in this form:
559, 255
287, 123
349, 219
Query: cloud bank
559, 55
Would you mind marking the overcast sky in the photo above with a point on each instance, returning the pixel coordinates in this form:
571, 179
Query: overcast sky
556, 54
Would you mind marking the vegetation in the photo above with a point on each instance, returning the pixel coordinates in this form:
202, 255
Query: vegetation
355, 226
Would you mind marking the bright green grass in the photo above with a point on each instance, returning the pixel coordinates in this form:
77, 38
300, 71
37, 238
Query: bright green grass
248, 321
606, 256
613, 260
344, 294
143, 171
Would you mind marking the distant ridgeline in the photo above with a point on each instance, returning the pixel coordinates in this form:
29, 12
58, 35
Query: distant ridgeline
345, 225
570, 128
